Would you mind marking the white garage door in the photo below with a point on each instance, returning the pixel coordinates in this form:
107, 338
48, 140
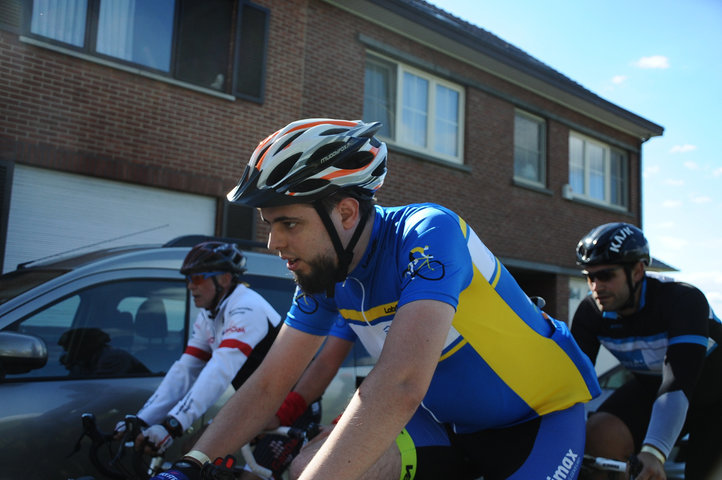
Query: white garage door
53, 212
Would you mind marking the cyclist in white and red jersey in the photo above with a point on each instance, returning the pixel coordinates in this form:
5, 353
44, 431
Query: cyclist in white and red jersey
471, 377
666, 334
234, 329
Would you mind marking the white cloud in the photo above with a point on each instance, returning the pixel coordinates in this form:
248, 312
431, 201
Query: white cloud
701, 199
673, 243
671, 203
717, 172
619, 79
683, 148
674, 182
691, 165
652, 170
655, 61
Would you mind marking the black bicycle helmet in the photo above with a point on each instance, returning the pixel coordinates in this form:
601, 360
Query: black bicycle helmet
311, 159
613, 243
214, 256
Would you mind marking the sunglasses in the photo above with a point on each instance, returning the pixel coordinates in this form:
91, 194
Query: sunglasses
601, 275
197, 278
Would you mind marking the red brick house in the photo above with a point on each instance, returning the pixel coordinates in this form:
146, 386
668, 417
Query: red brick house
130, 120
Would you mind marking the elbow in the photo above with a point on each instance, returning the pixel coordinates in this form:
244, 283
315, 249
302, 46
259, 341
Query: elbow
406, 394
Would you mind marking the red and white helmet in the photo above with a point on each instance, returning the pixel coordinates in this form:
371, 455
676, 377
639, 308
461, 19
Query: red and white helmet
311, 159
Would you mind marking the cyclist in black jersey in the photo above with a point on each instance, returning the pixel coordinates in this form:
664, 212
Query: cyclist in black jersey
666, 334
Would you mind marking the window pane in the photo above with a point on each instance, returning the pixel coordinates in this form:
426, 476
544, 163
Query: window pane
618, 180
379, 95
576, 164
595, 159
203, 42
250, 64
137, 31
61, 20
120, 328
446, 125
527, 149
415, 109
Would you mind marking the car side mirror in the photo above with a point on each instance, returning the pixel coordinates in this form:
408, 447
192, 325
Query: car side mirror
20, 353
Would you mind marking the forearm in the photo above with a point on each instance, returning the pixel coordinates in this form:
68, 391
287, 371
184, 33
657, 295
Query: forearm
368, 427
248, 411
241, 418
322, 369
668, 416
389, 396
210, 384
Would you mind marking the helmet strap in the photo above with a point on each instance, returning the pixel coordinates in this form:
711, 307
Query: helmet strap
216, 298
345, 256
631, 300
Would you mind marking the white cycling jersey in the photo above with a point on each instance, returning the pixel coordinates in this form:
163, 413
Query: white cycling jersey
216, 351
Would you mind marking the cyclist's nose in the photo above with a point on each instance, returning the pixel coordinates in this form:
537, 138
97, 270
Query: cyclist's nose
275, 241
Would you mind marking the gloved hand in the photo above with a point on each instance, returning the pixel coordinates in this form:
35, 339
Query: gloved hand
119, 429
222, 469
158, 437
181, 470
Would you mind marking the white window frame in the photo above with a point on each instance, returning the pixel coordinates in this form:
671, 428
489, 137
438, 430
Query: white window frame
395, 130
606, 172
539, 149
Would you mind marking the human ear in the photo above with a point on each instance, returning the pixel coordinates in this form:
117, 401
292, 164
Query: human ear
348, 209
638, 272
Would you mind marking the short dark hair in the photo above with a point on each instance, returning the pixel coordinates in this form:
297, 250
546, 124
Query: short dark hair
366, 203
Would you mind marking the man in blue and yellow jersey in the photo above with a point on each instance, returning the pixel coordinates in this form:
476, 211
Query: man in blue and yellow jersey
471, 377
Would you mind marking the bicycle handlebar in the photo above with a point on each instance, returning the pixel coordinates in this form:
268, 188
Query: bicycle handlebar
113, 468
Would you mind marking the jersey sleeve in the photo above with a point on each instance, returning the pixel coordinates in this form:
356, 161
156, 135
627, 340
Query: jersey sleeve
245, 325
688, 332
341, 329
314, 314
179, 378
433, 258
688, 338
583, 329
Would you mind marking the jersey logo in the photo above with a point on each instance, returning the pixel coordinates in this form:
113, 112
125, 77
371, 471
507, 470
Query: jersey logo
306, 303
422, 265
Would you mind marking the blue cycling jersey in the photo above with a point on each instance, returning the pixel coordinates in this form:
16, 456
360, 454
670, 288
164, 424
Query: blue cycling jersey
504, 360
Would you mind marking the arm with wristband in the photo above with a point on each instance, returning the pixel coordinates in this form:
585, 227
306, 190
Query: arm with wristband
315, 379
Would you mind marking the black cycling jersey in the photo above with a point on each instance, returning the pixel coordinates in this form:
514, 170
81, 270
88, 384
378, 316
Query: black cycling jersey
671, 345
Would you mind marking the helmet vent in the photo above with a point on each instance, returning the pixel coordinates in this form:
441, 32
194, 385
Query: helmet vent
289, 140
310, 185
334, 131
282, 169
380, 170
357, 160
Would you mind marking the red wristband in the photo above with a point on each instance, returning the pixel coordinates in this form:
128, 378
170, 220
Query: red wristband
293, 407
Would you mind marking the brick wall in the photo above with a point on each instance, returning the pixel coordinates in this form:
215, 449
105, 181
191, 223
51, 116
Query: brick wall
513, 221
69, 114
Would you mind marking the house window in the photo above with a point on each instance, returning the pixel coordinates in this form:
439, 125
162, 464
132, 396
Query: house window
597, 171
419, 111
188, 40
529, 148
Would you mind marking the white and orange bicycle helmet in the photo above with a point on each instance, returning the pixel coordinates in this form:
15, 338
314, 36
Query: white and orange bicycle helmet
311, 159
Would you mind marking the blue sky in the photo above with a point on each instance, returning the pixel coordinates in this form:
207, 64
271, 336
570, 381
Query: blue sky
661, 59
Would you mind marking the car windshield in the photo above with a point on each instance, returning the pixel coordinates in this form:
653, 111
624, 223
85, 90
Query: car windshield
14, 283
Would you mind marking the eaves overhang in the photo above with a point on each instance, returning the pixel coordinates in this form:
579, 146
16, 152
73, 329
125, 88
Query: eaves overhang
437, 29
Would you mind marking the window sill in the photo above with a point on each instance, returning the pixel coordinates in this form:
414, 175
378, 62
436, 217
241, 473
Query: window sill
427, 158
125, 68
535, 187
602, 206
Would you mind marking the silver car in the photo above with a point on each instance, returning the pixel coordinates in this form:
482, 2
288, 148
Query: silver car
54, 315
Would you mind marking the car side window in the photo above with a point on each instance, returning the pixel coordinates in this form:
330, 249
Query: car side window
122, 328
